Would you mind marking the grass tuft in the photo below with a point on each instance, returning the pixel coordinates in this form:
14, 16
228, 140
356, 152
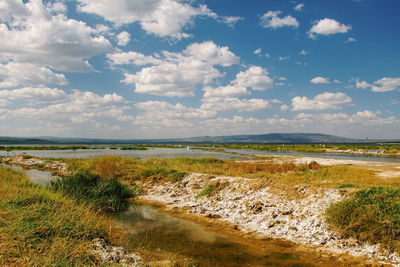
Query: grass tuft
346, 186
107, 195
207, 190
371, 215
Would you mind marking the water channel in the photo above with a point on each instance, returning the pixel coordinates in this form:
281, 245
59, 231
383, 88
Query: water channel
145, 227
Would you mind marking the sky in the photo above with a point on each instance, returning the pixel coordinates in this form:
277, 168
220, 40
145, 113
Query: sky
183, 68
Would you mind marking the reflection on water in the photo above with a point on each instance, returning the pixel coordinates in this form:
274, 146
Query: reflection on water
143, 154
36, 176
145, 227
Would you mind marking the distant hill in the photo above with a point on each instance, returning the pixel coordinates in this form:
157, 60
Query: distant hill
260, 138
271, 138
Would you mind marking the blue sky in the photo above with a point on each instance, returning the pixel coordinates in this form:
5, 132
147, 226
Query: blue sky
170, 68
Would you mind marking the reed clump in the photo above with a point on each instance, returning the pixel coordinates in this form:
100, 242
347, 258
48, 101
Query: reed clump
108, 195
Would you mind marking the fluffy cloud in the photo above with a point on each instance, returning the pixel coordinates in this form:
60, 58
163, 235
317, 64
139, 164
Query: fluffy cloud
163, 115
178, 74
299, 7
159, 17
255, 78
320, 102
327, 27
123, 38
162, 109
54, 105
14, 74
382, 85
272, 20
223, 104
224, 91
34, 35
134, 58
34, 95
230, 20
319, 80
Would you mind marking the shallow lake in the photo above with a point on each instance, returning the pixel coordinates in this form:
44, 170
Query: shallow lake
183, 152
143, 154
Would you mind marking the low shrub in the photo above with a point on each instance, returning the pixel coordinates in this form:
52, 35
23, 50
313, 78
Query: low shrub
103, 194
371, 215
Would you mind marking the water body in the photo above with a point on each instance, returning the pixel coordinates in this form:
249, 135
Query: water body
318, 155
146, 227
183, 152
143, 154
36, 176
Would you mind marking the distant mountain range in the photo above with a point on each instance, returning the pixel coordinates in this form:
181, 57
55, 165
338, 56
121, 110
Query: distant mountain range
260, 138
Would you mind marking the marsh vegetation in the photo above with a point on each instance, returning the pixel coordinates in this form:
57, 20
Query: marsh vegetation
40, 227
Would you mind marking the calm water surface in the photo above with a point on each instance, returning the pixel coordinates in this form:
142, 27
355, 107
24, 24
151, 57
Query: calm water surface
143, 154
36, 176
183, 152
146, 227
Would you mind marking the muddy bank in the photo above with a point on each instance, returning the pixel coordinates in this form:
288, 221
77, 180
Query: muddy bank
265, 209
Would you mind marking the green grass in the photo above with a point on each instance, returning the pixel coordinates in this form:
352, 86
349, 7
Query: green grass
40, 227
102, 194
346, 186
173, 175
371, 215
207, 190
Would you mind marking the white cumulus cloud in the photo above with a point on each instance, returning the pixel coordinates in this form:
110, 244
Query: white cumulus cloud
320, 102
272, 20
254, 78
319, 80
233, 103
35, 35
34, 95
178, 74
327, 27
14, 74
382, 85
131, 57
123, 38
163, 18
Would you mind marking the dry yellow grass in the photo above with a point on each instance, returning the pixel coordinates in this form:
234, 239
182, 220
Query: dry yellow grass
331, 176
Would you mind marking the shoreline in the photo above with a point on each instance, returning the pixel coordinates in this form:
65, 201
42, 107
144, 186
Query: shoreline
294, 213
